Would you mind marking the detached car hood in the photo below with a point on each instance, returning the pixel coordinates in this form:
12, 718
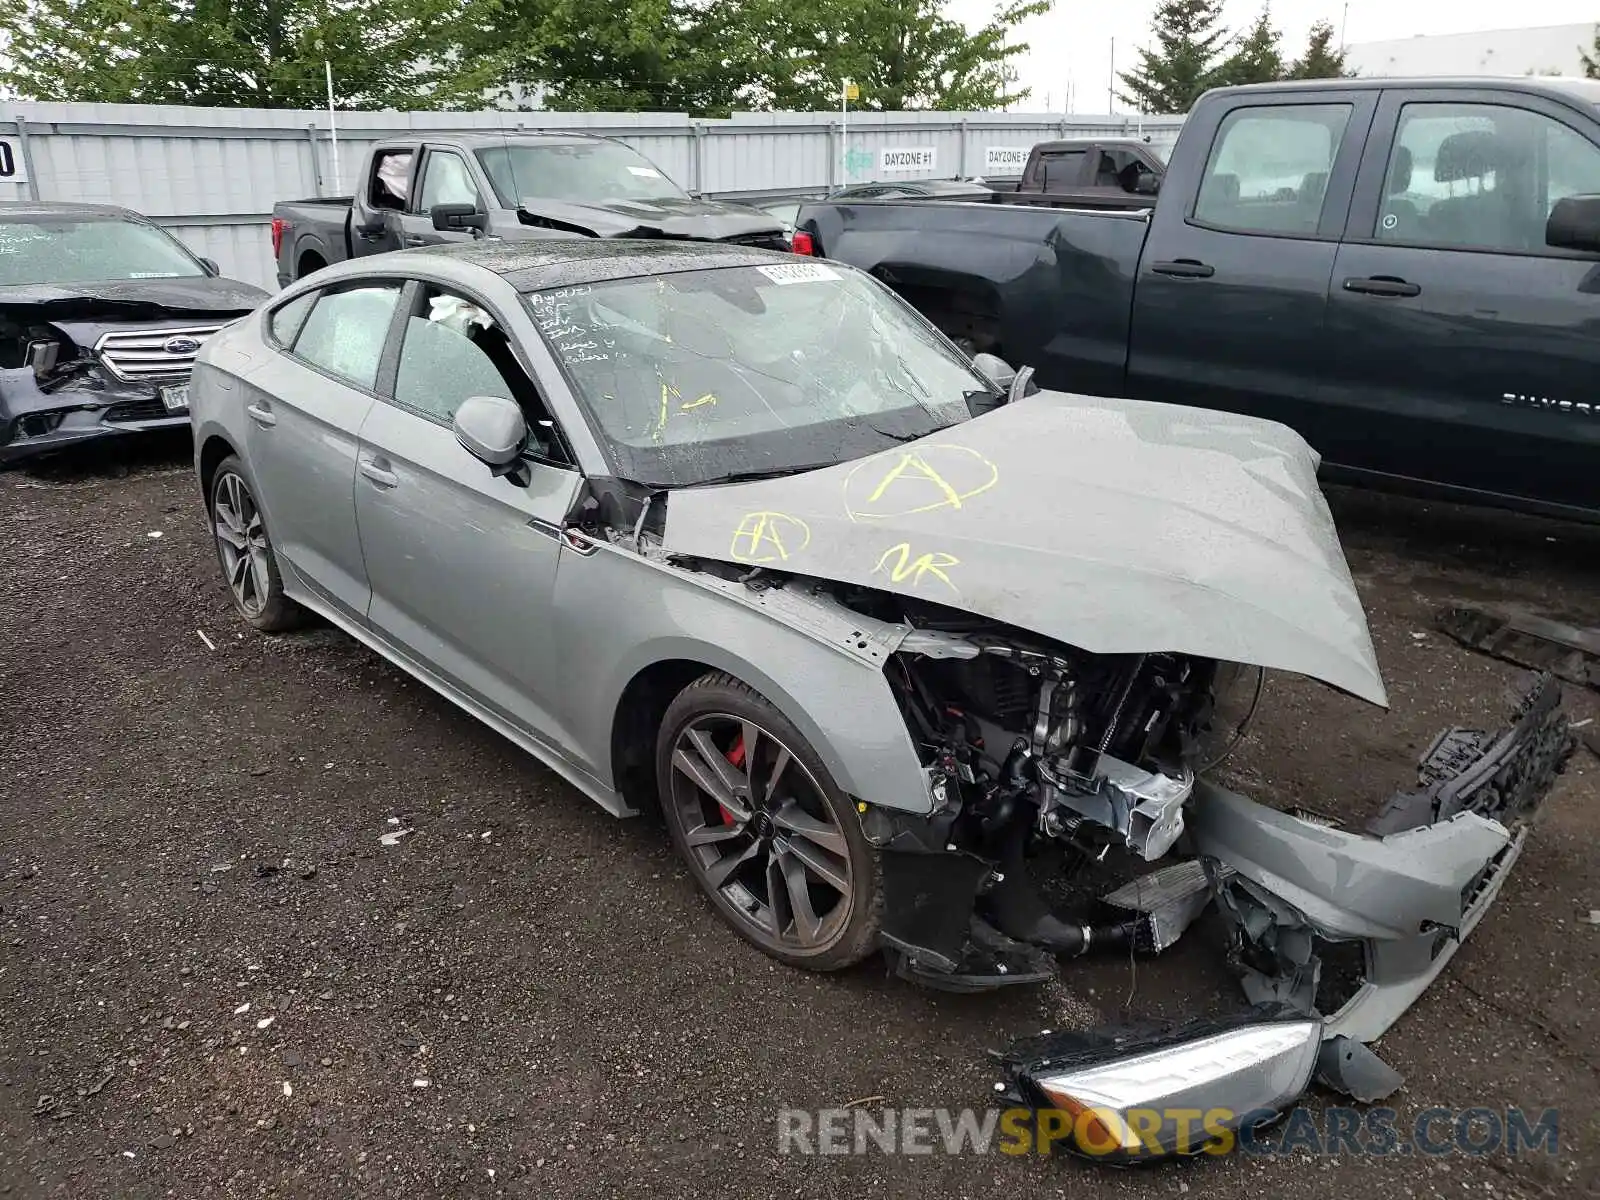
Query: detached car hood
1116, 526
188, 294
707, 220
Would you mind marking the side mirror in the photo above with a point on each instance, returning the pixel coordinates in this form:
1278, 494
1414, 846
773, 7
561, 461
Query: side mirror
1147, 185
493, 430
1574, 224
211, 267
458, 218
995, 369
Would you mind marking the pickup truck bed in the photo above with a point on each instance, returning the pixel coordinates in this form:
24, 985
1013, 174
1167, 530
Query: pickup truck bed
1400, 270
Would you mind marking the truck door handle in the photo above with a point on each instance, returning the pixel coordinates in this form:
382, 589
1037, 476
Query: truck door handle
1184, 268
1382, 285
413, 239
261, 415
377, 470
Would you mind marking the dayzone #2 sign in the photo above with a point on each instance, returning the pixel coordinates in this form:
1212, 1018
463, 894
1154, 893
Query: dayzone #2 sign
908, 158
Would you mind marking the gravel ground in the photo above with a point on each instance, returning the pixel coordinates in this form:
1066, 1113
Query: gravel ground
525, 997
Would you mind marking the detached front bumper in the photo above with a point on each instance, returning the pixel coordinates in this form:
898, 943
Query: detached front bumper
1341, 929
35, 422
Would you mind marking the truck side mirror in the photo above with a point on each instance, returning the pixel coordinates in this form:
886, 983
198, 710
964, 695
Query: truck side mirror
1147, 185
458, 218
1574, 224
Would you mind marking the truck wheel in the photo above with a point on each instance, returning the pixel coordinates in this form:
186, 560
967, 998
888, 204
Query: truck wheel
765, 831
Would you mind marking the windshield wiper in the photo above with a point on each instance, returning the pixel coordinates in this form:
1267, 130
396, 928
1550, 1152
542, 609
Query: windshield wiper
762, 473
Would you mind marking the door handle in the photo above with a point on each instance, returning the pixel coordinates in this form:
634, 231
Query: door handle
1382, 285
376, 470
413, 239
1184, 268
261, 415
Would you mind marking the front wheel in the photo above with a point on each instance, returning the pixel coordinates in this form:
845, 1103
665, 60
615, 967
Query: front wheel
766, 833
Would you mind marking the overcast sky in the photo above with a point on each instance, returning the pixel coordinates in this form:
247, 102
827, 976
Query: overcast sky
1072, 44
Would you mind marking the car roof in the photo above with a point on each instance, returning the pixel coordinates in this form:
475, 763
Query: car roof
36, 210
495, 139
537, 264
1569, 88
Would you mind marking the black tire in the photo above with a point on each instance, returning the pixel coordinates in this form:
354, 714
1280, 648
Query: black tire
849, 931
263, 602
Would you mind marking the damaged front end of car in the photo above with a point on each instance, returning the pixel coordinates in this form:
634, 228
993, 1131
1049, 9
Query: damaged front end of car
79, 368
1073, 656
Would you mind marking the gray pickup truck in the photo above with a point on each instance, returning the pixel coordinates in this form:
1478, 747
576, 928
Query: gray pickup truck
457, 187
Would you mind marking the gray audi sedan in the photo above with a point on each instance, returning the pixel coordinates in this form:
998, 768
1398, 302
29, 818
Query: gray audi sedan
882, 631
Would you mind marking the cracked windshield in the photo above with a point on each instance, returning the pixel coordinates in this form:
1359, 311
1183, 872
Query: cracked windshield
709, 376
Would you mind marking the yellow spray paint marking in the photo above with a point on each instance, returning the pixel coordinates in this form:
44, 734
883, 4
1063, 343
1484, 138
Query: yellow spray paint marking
690, 405
901, 566
916, 481
668, 394
769, 537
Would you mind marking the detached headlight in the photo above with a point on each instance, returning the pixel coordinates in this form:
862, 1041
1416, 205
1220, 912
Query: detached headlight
1145, 1096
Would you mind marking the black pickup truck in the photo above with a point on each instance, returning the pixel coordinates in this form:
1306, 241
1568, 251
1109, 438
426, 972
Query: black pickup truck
455, 187
1407, 272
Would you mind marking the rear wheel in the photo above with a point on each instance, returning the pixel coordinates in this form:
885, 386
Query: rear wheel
249, 565
766, 833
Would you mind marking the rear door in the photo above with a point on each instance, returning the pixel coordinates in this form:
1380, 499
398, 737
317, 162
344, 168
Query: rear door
306, 406
462, 563
444, 179
1467, 353
1232, 290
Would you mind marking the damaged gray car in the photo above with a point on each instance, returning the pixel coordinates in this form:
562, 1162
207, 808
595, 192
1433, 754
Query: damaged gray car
745, 538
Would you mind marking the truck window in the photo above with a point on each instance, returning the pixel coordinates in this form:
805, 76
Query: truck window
345, 332
1480, 176
1122, 169
1269, 166
445, 180
391, 179
1059, 170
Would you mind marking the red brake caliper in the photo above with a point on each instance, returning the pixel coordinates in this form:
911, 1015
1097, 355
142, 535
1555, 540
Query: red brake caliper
736, 757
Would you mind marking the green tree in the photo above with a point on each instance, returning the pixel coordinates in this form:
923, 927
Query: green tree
1591, 56
707, 57
1321, 60
1189, 40
1258, 57
265, 54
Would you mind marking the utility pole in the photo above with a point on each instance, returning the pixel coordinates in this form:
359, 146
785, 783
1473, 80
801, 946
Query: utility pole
1343, 24
1111, 82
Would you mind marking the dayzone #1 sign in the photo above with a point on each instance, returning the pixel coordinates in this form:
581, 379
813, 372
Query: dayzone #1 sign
1005, 160
908, 158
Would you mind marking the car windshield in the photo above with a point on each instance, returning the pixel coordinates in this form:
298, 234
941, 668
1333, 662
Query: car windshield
88, 251
581, 172
703, 376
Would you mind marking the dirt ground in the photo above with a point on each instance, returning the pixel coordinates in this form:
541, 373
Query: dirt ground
185, 831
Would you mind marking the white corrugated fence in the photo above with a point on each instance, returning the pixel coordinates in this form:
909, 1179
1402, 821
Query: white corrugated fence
212, 175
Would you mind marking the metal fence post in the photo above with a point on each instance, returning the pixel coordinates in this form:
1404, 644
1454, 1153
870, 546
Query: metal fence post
961, 149
697, 157
1061, 127
316, 162
836, 151
27, 156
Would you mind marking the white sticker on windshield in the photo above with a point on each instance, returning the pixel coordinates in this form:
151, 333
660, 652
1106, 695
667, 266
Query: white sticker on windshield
799, 273
645, 172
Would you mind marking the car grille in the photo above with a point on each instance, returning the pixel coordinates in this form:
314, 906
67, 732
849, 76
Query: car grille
136, 354
138, 410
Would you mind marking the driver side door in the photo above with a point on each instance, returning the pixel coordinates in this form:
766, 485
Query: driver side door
462, 564
445, 179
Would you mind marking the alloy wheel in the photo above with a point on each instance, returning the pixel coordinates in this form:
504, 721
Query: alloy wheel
242, 543
760, 833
